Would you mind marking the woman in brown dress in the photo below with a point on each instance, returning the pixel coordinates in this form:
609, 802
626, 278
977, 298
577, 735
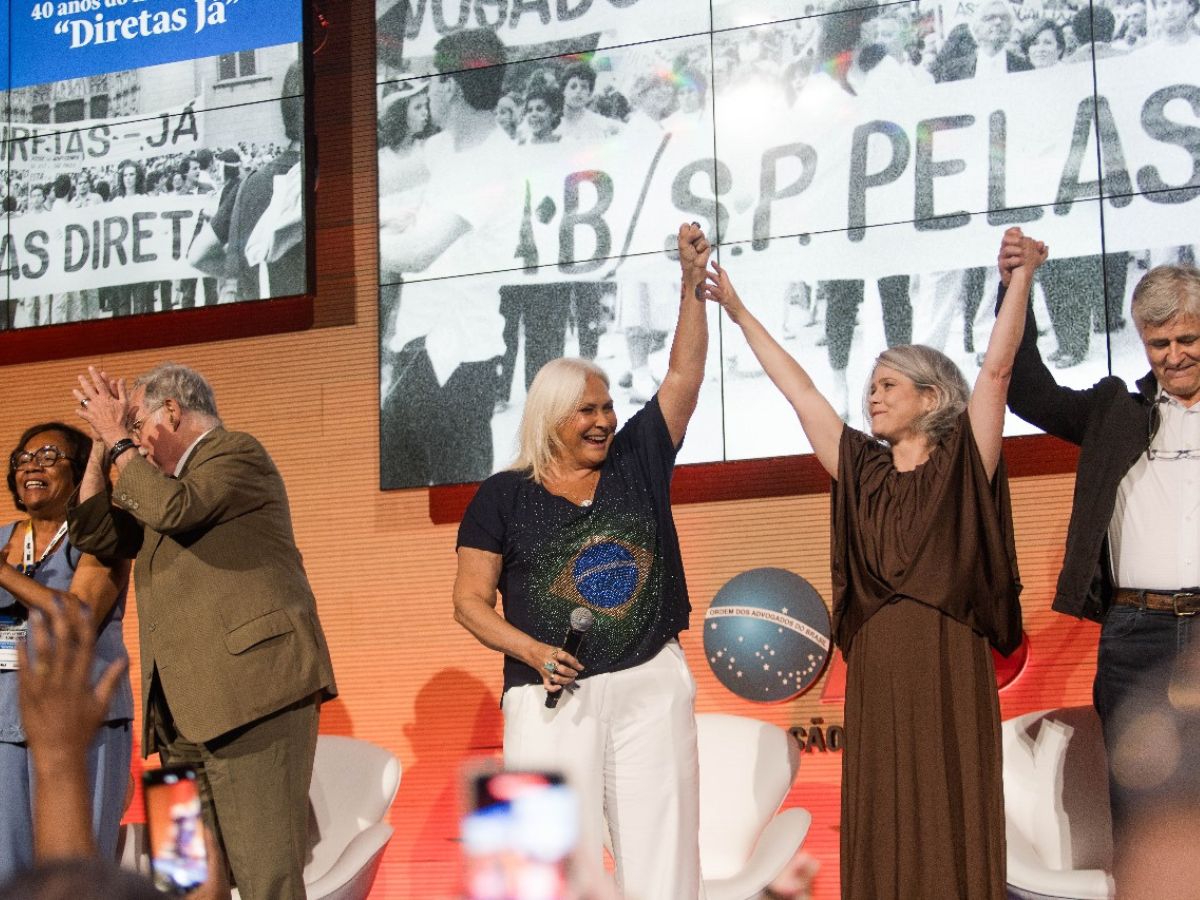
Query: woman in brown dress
924, 578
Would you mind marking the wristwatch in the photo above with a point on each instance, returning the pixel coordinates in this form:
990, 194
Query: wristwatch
118, 448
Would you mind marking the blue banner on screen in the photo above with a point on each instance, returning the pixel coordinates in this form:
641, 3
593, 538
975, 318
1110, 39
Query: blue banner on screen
154, 154
52, 40
4, 16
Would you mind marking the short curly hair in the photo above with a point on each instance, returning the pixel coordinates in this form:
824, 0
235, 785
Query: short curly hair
79, 446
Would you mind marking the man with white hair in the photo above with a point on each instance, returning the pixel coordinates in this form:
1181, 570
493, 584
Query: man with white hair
1132, 560
991, 29
234, 663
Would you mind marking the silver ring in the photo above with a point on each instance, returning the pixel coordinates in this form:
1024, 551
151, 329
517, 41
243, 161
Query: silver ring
84, 402
550, 666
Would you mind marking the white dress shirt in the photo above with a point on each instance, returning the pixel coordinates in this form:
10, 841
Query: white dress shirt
187, 454
1155, 528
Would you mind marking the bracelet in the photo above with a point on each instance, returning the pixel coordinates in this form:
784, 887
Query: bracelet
118, 448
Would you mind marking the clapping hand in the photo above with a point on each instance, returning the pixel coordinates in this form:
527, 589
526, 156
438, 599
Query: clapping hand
103, 404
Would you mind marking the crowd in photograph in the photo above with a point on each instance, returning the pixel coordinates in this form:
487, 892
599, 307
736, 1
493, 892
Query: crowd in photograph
928, 44
213, 173
472, 198
561, 99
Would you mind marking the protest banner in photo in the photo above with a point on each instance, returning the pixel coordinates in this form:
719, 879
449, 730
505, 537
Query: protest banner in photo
42, 152
131, 239
147, 146
860, 163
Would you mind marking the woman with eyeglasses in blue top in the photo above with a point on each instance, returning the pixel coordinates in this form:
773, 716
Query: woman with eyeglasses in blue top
37, 562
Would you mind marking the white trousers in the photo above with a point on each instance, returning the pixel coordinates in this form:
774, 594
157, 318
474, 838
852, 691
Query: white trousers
626, 742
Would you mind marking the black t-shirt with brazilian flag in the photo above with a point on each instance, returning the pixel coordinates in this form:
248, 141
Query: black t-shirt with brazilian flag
618, 557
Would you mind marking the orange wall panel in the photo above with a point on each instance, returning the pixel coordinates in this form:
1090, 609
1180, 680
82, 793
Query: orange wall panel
410, 679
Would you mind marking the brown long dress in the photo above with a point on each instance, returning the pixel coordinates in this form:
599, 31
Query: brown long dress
924, 579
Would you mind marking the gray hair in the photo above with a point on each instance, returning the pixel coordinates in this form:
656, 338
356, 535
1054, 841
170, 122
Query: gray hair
555, 393
1165, 292
930, 370
185, 386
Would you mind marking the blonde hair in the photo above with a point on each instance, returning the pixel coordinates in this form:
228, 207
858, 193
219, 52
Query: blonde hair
1163, 293
552, 399
930, 370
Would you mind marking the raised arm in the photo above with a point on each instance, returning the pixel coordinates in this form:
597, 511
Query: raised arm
1034, 395
475, 586
95, 480
99, 528
818, 418
680, 389
988, 399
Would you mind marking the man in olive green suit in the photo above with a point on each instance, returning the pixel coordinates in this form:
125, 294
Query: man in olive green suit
234, 662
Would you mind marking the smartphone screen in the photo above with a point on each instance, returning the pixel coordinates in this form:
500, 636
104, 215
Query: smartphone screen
176, 828
518, 836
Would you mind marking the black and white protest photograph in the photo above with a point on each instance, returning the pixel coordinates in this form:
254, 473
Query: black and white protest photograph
537, 181
835, 326
856, 165
406, 31
174, 186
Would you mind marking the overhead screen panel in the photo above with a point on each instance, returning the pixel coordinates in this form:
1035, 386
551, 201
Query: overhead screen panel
155, 153
408, 30
9, 206
857, 162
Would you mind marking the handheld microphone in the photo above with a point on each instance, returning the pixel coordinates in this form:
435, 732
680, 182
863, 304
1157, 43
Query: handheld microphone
581, 622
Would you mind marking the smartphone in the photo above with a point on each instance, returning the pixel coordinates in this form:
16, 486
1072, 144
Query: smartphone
518, 835
178, 858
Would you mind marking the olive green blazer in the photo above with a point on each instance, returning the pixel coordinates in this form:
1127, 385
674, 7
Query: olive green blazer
226, 614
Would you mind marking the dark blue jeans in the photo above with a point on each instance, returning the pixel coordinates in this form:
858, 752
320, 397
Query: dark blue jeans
1146, 695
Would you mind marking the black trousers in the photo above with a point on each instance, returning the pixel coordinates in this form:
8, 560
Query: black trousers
1146, 689
844, 297
436, 434
131, 299
543, 309
587, 302
1080, 289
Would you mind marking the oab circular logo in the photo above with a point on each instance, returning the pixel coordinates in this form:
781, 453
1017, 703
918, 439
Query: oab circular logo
767, 635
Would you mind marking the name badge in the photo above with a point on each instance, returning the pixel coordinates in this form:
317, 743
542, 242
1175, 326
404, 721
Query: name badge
11, 637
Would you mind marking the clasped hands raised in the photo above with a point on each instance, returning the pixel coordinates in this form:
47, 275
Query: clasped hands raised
705, 283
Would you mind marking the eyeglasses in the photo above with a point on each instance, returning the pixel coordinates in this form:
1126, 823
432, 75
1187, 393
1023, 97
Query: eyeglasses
1152, 423
42, 456
1173, 454
1152, 429
136, 428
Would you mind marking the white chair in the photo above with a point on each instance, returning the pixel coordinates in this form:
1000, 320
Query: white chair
353, 785
746, 770
1059, 829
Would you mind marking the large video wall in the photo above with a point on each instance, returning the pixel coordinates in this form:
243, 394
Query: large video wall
856, 163
152, 156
